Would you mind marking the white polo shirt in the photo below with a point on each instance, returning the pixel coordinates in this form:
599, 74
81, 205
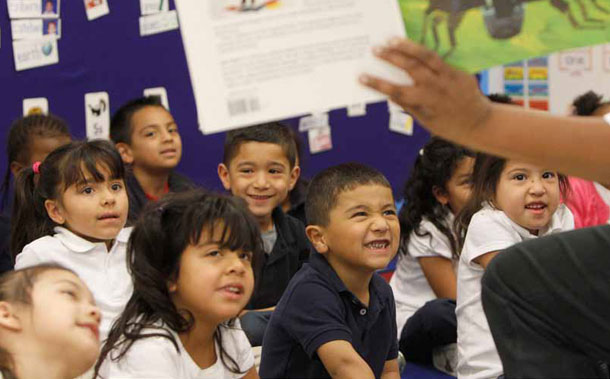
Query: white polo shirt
409, 284
103, 271
489, 230
157, 358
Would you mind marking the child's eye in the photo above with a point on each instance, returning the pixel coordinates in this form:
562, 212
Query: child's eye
359, 214
149, 134
246, 255
172, 129
246, 171
87, 190
70, 293
274, 171
519, 177
117, 187
389, 212
213, 253
548, 175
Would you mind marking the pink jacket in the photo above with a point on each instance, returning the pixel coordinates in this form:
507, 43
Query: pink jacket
586, 204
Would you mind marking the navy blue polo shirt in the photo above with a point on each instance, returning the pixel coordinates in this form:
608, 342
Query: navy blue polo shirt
317, 308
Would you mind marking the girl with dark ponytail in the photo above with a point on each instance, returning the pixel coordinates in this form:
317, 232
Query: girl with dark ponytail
191, 256
71, 209
424, 283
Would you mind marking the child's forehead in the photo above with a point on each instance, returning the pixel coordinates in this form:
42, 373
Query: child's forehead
366, 195
512, 165
150, 115
56, 277
264, 153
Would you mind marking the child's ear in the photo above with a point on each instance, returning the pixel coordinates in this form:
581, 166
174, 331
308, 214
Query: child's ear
172, 286
440, 194
15, 168
125, 151
54, 211
225, 178
316, 236
294, 176
8, 320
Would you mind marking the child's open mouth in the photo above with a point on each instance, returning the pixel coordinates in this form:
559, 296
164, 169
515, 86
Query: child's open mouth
232, 291
378, 244
536, 207
94, 329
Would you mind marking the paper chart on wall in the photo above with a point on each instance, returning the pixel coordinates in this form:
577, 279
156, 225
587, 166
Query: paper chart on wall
252, 61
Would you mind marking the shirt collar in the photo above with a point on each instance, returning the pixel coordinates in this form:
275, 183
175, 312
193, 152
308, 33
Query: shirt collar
155, 198
320, 264
80, 245
559, 222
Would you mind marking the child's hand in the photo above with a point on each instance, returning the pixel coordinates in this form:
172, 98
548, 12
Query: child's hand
446, 100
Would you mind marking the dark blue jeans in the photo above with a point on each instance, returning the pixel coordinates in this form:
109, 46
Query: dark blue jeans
433, 325
254, 325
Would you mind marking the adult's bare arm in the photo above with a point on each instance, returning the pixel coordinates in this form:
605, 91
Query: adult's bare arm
449, 103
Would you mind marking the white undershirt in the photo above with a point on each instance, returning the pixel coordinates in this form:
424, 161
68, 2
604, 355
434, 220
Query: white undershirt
489, 230
409, 284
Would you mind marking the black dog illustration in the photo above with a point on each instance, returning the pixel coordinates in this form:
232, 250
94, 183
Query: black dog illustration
503, 18
101, 107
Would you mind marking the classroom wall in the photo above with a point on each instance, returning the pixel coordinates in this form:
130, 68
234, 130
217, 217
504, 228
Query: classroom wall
109, 55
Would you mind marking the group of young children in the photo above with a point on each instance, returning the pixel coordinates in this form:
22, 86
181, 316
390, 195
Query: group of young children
123, 265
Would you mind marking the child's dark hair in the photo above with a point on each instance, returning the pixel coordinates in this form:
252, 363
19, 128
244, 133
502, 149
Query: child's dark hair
120, 125
273, 132
67, 165
20, 136
485, 176
162, 233
587, 103
325, 188
16, 287
434, 166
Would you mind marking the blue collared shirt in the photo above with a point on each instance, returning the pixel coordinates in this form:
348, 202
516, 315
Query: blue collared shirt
317, 308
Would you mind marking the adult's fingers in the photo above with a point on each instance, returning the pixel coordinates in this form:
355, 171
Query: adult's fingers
420, 73
410, 98
419, 52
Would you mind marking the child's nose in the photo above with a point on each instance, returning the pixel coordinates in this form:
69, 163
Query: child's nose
261, 180
235, 264
537, 187
108, 198
94, 312
380, 224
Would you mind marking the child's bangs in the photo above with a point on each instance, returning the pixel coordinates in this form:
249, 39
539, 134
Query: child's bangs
237, 231
85, 165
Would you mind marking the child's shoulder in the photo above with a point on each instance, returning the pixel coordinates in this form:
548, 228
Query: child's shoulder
562, 220
382, 288
488, 216
283, 220
288, 227
236, 343
46, 243
124, 234
310, 285
178, 182
158, 353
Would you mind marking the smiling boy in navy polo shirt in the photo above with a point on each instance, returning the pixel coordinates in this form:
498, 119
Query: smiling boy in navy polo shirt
337, 316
